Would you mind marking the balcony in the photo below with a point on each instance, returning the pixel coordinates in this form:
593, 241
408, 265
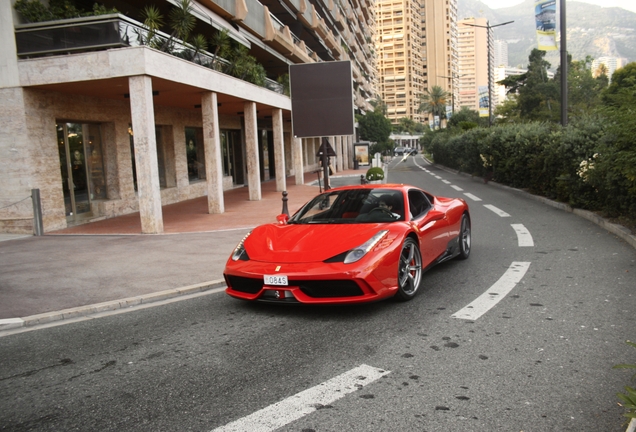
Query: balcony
104, 32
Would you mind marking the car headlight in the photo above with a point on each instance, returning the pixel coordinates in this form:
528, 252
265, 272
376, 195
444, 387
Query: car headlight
239, 252
357, 253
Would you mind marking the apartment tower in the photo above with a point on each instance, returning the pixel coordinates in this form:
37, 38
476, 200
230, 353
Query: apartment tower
474, 40
416, 45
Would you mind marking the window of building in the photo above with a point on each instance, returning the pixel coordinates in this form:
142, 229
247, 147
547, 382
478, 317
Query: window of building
194, 153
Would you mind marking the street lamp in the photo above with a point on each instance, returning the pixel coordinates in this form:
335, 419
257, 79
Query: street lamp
489, 27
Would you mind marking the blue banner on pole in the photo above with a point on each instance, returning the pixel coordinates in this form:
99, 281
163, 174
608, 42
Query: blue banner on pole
545, 18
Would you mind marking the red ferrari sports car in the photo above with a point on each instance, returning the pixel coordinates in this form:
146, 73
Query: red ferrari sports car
351, 244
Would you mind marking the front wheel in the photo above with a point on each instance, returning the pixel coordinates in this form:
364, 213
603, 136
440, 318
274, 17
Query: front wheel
464, 238
409, 270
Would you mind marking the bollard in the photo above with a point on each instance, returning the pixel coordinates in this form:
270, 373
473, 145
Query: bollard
285, 211
362, 179
38, 227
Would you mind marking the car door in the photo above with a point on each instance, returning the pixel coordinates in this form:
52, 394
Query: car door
430, 224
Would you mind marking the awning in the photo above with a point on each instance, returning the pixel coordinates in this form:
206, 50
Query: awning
216, 21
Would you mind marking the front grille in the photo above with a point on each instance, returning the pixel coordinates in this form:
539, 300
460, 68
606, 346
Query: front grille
243, 284
328, 288
311, 288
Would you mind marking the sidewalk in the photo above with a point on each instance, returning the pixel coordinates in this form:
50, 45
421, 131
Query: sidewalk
109, 264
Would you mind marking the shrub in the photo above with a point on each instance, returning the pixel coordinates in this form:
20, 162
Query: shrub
629, 397
375, 173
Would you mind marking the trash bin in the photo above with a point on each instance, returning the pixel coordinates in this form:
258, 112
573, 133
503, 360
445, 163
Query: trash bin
356, 164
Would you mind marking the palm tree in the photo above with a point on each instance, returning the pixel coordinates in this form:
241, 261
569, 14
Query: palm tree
434, 101
182, 22
153, 20
198, 43
222, 45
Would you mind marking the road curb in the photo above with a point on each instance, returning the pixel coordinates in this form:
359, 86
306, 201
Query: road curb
81, 311
616, 229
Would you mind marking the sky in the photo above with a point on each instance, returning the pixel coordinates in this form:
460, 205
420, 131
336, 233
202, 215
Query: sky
630, 5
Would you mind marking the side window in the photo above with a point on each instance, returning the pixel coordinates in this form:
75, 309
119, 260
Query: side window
418, 204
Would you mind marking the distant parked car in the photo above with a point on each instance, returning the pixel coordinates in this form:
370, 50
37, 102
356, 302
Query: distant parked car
399, 151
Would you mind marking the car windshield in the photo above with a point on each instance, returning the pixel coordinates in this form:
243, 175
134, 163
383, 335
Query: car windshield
351, 206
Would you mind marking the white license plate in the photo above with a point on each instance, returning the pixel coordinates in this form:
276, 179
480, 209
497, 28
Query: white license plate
280, 280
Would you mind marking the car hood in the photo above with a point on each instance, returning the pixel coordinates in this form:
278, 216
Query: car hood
306, 243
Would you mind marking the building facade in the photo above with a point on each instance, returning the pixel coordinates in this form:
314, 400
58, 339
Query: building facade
104, 123
474, 40
610, 65
416, 45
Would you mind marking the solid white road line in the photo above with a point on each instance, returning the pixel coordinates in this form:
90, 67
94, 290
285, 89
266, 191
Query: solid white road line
294, 407
495, 293
523, 235
496, 210
472, 197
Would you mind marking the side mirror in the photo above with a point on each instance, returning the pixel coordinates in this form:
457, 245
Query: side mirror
282, 219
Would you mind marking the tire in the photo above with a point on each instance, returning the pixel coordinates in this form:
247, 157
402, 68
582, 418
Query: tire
409, 270
465, 238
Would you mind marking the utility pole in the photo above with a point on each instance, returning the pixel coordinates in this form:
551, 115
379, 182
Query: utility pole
564, 69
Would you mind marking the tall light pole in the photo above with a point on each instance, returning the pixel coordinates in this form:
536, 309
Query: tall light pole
564, 69
489, 27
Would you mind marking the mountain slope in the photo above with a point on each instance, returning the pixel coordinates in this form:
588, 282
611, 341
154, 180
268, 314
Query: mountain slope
592, 30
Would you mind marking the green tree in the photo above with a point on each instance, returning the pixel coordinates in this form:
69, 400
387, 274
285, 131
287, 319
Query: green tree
464, 119
375, 127
620, 110
584, 90
434, 101
537, 95
406, 125
182, 23
222, 46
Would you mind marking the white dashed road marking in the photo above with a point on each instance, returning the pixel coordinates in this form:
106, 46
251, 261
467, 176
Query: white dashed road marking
307, 401
472, 197
496, 210
523, 235
495, 293
457, 188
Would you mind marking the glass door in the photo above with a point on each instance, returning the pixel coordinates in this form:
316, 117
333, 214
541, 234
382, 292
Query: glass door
81, 165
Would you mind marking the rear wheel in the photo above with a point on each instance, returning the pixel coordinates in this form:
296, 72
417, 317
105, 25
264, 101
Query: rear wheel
409, 270
464, 238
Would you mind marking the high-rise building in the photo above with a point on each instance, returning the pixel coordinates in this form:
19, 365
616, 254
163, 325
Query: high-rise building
501, 53
106, 115
610, 63
416, 46
474, 39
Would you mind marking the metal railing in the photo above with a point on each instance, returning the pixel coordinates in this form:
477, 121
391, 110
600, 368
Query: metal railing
110, 31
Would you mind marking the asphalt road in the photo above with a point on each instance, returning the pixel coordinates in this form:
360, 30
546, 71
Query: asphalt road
539, 360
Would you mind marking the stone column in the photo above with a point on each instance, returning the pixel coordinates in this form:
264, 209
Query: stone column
143, 121
251, 150
9, 75
348, 154
298, 160
279, 150
212, 149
